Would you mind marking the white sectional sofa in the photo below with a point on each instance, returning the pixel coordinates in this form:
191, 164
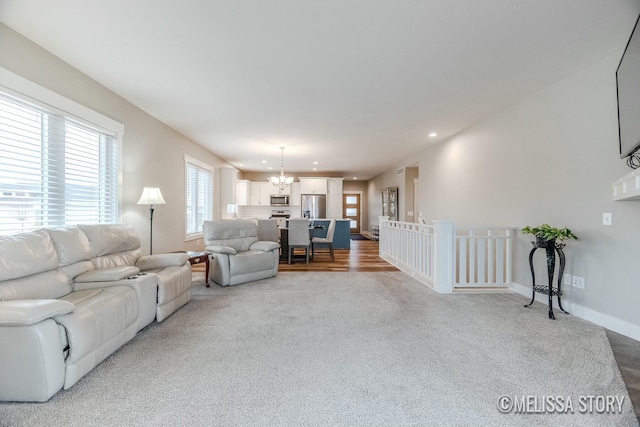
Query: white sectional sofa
70, 297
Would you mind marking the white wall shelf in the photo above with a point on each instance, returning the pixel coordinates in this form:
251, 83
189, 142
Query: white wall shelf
627, 187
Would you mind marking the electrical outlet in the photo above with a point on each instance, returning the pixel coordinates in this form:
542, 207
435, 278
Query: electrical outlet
578, 282
567, 279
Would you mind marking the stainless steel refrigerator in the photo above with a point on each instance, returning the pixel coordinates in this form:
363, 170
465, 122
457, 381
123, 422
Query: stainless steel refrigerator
314, 206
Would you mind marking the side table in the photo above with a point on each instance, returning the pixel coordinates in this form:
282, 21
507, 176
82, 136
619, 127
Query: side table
198, 258
551, 247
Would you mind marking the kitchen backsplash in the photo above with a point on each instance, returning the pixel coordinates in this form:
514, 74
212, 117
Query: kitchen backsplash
264, 212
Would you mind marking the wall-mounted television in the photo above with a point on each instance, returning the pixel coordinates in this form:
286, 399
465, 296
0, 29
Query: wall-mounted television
628, 84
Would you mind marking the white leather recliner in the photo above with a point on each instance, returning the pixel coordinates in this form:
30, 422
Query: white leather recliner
236, 254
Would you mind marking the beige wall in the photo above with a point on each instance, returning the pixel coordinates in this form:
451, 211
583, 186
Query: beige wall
551, 158
153, 153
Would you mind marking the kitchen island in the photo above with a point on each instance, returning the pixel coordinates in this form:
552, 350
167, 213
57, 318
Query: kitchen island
341, 237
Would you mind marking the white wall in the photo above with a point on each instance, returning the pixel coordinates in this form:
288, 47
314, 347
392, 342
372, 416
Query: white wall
552, 158
153, 153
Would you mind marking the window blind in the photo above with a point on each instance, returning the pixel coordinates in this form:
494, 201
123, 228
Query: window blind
199, 203
54, 171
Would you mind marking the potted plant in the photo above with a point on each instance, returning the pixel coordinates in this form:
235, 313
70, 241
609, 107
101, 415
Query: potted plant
545, 233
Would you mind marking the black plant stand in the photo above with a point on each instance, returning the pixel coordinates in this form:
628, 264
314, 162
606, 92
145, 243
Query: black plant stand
551, 247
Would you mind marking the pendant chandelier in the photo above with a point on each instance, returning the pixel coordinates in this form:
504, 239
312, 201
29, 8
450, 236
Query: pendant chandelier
281, 181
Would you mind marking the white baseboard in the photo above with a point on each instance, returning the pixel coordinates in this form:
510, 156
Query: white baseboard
604, 320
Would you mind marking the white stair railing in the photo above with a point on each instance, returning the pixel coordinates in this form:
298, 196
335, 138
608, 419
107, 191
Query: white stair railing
408, 246
447, 258
482, 257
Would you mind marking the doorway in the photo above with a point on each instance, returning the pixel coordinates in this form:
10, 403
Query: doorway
352, 211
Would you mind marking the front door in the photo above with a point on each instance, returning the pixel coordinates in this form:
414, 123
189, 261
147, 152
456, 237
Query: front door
351, 211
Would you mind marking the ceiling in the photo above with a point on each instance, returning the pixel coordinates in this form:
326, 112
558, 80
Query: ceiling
355, 85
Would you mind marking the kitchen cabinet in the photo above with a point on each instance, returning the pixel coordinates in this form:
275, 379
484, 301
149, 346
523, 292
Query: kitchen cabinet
334, 197
295, 194
275, 190
260, 193
313, 185
244, 192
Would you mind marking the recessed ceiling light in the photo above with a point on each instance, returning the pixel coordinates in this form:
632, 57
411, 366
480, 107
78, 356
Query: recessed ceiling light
355, 177
433, 135
315, 163
269, 168
315, 169
264, 161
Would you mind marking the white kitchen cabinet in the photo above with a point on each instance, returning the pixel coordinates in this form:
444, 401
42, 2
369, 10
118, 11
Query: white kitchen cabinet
334, 198
275, 190
295, 194
313, 185
244, 192
260, 193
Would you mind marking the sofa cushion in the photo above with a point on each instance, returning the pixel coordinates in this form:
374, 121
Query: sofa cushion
238, 235
26, 254
71, 244
74, 250
250, 262
150, 262
108, 239
98, 319
78, 297
48, 285
117, 259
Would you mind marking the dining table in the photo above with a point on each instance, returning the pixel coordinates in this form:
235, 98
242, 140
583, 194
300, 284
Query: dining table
314, 231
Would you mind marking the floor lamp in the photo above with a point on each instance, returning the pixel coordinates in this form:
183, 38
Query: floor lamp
151, 196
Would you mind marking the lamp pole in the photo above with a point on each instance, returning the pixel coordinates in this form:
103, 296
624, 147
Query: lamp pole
151, 230
151, 196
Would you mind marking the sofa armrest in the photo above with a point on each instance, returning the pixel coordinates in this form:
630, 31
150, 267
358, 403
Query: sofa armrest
107, 274
264, 245
152, 262
221, 249
30, 312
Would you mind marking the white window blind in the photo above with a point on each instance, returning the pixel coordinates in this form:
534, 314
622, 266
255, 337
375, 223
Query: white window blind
199, 191
54, 171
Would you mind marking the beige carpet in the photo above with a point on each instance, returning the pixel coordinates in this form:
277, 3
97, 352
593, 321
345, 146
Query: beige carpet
327, 349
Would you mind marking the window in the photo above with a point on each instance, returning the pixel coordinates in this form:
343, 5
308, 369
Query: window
199, 196
56, 169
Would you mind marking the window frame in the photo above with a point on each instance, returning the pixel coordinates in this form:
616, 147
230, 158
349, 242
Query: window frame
195, 162
27, 91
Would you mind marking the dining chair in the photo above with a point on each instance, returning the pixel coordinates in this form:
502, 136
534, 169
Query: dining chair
268, 230
299, 237
328, 240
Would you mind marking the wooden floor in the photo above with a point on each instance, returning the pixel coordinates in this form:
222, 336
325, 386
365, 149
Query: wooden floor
627, 353
363, 256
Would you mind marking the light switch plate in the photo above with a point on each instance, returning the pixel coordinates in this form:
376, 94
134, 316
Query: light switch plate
607, 219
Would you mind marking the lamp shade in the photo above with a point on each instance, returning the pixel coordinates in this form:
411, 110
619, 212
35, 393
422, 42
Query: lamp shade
151, 196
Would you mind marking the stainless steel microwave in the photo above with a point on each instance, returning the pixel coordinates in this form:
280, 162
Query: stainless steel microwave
279, 200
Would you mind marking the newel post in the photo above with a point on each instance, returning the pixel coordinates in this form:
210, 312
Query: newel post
443, 256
